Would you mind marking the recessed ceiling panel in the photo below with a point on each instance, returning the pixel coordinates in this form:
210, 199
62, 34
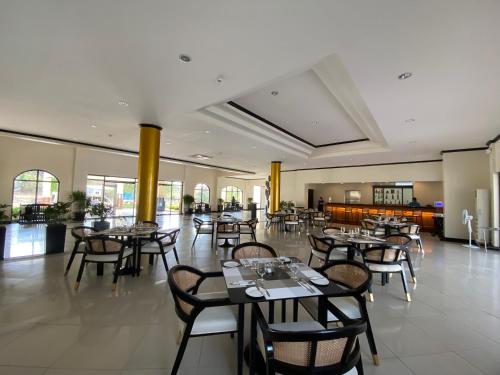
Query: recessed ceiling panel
303, 106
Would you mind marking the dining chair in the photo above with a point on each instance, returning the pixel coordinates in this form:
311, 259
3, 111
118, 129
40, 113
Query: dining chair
322, 248
403, 241
306, 347
385, 259
163, 243
253, 250
292, 220
272, 220
79, 233
200, 314
203, 227
374, 229
248, 227
227, 231
103, 249
413, 230
355, 278
318, 219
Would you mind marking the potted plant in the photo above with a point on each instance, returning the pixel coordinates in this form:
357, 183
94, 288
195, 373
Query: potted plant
80, 203
188, 200
290, 206
101, 211
220, 205
252, 207
3, 228
55, 232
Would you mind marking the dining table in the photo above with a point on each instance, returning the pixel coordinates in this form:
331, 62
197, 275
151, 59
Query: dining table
285, 279
357, 240
388, 225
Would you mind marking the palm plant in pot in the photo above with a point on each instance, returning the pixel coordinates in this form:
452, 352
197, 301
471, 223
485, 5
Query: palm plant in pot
188, 200
80, 203
220, 204
3, 229
55, 232
101, 211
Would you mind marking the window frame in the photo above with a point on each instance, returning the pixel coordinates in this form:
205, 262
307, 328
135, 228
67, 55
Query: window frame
233, 189
204, 187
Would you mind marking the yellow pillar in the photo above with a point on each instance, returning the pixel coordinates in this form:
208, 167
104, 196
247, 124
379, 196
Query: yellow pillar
147, 174
275, 186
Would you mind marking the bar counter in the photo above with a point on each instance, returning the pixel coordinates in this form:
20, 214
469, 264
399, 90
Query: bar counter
353, 213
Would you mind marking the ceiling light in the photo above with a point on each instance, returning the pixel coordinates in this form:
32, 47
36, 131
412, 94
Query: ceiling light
93, 126
274, 93
315, 123
405, 75
254, 146
219, 79
123, 103
184, 58
410, 121
168, 143
207, 131
201, 156
110, 135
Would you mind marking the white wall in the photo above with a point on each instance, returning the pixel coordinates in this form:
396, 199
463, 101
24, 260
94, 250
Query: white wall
293, 184
463, 173
72, 164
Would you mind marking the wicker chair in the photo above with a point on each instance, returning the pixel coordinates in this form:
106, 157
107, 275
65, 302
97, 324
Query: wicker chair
385, 260
292, 220
227, 231
319, 219
162, 243
79, 233
403, 241
102, 249
200, 314
248, 227
272, 220
253, 250
306, 347
355, 278
203, 227
322, 248
413, 230
374, 229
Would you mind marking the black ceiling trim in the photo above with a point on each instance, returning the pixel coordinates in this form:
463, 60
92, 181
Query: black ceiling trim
279, 128
365, 165
463, 150
343, 142
493, 140
115, 149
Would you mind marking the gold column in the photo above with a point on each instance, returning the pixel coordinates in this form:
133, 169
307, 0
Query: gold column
147, 174
275, 186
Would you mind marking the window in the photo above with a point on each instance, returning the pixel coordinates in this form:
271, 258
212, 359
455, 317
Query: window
117, 192
257, 190
232, 191
34, 186
201, 194
169, 197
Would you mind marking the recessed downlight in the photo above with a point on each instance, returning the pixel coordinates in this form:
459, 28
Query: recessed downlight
405, 75
184, 58
274, 93
409, 121
207, 131
123, 103
93, 126
168, 143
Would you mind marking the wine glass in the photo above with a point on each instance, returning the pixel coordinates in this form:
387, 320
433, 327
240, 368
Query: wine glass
261, 271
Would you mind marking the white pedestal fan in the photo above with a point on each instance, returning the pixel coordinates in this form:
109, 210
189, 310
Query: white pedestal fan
467, 220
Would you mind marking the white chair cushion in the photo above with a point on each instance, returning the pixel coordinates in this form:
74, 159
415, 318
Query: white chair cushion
228, 235
215, 320
306, 325
245, 230
108, 257
384, 267
348, 305
414, 236
205, 230
291, 223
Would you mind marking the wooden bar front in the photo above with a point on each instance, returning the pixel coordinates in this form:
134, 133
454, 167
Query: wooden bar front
354, 213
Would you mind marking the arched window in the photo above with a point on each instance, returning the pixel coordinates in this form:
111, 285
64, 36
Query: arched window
201, 194
232, 191
34, 186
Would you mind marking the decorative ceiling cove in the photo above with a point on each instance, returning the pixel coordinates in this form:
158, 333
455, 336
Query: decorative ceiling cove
317, 113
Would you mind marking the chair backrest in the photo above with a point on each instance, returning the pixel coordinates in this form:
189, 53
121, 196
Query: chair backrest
326, 351
228, 227
348, 273
80, 232
398, 239
171, 238
268, 215
410, 229
292, 217
330, 230
104, 245
197, 223
184, 282
252, 223
322, 244
253, 250
382, 255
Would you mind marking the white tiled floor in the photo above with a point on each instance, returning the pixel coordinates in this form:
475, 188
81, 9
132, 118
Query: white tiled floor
451, 327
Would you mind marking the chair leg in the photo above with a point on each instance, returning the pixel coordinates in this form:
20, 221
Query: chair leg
271, 312
410, 268
180, 352
370, 295
295, 310
164, 258
405, 285
80, 273
195, 237
71, 258
139, 255
176, 256
116, 273
359, 367
369, 332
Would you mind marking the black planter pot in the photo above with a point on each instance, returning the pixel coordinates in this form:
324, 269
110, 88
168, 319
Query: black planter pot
3, 230
253, 210
79, 215
101, 225
220, 208
55, 236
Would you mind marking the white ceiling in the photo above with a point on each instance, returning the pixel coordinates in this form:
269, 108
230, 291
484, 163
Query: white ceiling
65, 66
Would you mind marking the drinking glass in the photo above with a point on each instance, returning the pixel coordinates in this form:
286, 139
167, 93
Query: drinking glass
261, 271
